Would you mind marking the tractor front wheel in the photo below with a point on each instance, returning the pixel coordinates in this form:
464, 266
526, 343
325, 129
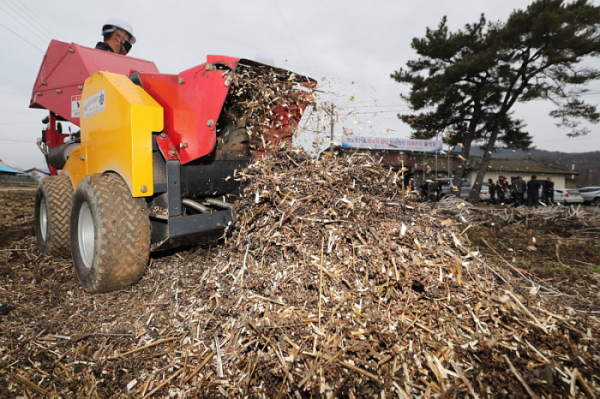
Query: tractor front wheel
110, 237
53, 202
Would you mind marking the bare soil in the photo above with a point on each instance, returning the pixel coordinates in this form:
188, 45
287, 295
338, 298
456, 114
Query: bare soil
569, 263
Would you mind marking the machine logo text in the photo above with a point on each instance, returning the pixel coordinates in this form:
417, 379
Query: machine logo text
94, 104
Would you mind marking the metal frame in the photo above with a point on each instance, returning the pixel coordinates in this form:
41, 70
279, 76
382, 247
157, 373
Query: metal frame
173, 228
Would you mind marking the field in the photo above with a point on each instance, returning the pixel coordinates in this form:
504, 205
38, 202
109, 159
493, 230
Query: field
320, 295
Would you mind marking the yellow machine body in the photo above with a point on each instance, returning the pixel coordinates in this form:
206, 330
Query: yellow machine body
117, 120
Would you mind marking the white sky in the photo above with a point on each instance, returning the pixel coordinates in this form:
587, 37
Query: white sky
351, 47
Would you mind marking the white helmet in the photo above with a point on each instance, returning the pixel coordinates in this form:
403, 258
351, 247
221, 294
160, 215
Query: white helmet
118, 23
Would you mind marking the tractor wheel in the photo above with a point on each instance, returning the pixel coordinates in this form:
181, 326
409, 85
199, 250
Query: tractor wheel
53, 202
111, 234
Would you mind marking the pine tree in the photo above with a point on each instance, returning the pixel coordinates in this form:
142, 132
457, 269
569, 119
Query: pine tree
465, 84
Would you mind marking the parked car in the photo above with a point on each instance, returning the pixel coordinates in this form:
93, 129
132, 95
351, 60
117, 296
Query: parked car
484, 193
567, 196
591, 195
448, 187
563, 196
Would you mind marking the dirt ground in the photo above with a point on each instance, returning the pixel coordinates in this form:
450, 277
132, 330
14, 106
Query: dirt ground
570, 264
56, 338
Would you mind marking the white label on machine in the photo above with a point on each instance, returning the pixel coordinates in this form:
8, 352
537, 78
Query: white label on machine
94, 104
75, 101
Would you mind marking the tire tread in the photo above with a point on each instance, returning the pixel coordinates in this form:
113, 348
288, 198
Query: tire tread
58, 191
124, 229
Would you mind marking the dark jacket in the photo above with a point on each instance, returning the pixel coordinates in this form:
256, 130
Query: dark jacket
519, 187
533, 188
104, 46
549, 187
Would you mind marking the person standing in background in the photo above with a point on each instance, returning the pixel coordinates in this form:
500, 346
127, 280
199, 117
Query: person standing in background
492, 188
518, 190
533, 191
501, 189
548, 192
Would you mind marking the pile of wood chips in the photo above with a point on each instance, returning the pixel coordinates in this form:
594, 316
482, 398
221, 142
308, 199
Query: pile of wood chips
327, 285
267, 102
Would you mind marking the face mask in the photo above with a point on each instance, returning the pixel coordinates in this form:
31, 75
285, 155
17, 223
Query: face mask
126, 45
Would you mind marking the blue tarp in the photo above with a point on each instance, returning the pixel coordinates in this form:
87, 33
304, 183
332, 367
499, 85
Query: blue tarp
7, 169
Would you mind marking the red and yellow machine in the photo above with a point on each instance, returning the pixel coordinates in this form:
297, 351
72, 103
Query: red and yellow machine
153, 165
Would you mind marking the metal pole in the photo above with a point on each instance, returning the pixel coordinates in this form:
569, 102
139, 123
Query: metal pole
318, 135
332, 125
449, 176
402, 177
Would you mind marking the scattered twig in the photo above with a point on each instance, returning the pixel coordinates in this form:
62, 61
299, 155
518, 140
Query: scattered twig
30, 384
519, 377
141, 348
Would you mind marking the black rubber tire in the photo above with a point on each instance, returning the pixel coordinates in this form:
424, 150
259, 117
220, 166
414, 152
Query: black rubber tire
596, 202
53, 202
111, 234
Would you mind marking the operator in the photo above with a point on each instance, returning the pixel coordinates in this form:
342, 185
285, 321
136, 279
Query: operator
118, 36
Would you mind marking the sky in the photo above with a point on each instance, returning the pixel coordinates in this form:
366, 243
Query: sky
350, 47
